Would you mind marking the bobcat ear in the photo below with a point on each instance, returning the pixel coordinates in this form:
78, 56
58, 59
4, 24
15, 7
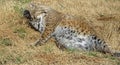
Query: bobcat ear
44, 11
32, 5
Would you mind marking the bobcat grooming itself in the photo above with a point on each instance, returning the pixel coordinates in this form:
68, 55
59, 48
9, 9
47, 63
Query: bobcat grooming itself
68, 32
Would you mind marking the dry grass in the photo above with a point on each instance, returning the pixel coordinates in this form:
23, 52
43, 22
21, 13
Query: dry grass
15, 34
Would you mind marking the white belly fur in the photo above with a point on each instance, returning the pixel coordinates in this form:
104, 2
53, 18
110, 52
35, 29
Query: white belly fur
71, 40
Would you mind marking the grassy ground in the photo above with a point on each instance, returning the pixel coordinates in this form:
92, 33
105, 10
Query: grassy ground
16, 35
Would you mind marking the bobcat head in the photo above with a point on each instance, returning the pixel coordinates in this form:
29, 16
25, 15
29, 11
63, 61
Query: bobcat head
40, 16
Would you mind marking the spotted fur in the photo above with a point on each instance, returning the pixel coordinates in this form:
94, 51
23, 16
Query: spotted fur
68, 32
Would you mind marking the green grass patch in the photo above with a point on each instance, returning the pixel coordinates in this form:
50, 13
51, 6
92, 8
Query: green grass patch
24, 1
92, 54
19, 6
21, 32
71, 50
2, 1
118, 63
18, 10
19, 60
48, 49
6, 42
110, 57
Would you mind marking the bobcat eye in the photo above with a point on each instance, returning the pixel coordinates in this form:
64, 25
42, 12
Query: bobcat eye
44, 12
34, 17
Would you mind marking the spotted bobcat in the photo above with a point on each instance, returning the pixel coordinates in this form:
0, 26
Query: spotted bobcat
68, 32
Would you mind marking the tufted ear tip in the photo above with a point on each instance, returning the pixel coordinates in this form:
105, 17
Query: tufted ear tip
116, 54
32, 5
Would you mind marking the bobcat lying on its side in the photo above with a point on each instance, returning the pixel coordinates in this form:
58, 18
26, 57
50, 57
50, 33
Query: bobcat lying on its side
68, 33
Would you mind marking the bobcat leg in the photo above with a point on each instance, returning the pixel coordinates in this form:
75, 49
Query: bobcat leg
43, 41
60, 46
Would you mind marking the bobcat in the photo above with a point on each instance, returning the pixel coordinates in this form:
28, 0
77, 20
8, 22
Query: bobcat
68, 32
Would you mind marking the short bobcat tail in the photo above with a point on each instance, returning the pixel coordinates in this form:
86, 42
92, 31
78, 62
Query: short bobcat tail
116, 54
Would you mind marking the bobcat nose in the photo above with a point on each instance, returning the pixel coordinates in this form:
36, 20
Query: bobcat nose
27, 14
